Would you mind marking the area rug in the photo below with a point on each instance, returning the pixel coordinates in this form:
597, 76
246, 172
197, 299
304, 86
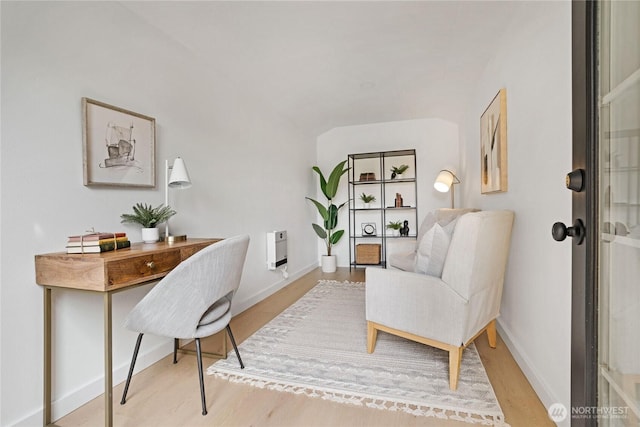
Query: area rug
318, 347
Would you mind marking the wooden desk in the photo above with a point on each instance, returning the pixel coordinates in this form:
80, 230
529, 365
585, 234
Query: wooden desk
106, 273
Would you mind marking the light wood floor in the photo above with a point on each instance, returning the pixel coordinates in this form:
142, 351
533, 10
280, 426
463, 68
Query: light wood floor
168, 395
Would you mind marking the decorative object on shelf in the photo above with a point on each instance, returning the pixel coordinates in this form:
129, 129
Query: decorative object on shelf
369, 229
397, 171
367, 176
368, 253
329, 214
445, 181
149, 218
118, 146
493, 145
398, 202
404, 231
179, 179
367, 199
394, 226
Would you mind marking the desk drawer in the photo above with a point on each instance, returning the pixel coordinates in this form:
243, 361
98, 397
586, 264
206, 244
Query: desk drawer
141, 268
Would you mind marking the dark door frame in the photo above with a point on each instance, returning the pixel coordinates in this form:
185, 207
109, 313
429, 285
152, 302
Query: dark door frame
584, 329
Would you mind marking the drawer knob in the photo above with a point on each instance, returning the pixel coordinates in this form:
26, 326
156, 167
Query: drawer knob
151, 265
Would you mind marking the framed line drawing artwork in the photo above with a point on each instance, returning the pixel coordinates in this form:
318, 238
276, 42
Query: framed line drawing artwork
118, 146
493, 146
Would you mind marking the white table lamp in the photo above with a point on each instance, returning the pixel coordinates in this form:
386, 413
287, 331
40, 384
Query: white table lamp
179, 178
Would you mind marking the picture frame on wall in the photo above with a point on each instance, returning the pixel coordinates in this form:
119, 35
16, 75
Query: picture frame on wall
493, 146
118, 146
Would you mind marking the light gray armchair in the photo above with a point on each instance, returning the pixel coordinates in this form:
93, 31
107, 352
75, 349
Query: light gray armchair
450, 311
193, 301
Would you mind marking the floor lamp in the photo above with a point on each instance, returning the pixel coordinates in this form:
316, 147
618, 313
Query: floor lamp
179, 178
445, 182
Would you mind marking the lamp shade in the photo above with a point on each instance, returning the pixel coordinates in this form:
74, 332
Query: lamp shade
179, 176
444, 181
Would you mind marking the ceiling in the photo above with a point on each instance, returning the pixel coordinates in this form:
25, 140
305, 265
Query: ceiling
327, 64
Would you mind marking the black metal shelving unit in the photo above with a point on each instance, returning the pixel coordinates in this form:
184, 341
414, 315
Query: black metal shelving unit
370, 173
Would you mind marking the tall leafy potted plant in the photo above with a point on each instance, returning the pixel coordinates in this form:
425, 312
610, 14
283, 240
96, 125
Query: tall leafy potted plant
329, 214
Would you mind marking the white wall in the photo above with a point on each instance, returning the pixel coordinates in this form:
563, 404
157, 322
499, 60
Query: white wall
534, 64
250, 169
436, 145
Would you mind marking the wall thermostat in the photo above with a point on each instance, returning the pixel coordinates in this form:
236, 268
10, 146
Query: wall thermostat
368, 229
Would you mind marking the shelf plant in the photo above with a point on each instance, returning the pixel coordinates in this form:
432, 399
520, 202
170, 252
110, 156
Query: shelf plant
395, 226
329, 212
367, 198
398, 170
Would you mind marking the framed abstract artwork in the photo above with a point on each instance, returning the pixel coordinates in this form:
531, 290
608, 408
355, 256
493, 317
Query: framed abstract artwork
118, 146
493, 146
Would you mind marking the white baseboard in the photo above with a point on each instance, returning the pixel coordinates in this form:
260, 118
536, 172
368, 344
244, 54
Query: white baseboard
541, 388
241, 306
75, 399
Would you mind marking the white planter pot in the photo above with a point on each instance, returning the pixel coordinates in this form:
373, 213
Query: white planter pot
150, 235
328, 263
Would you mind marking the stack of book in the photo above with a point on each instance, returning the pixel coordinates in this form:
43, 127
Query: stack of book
97, 242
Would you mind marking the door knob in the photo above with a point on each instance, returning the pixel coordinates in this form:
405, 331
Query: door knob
559, 231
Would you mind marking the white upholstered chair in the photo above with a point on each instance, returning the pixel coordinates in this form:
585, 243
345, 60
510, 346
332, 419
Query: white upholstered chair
193, 301
450, 310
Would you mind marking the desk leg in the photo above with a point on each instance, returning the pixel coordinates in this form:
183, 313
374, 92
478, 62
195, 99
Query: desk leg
108, 362
47, 357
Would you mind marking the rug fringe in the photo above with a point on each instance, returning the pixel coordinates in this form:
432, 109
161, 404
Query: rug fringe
377, 403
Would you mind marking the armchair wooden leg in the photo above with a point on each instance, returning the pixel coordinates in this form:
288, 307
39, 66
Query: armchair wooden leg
372, 335
491, 333
455, 357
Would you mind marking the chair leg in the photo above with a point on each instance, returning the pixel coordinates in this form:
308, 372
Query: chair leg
372, 335
133, 364
176, 343
455, 357
235, 347
201, 376
491, 333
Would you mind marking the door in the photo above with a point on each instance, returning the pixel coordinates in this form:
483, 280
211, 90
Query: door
605, 373
618, 48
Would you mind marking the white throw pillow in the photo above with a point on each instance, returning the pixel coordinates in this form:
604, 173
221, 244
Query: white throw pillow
432, 252
424, 250
441, 216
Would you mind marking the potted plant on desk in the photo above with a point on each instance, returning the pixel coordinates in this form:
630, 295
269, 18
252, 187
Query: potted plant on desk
329, 214
149, 218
